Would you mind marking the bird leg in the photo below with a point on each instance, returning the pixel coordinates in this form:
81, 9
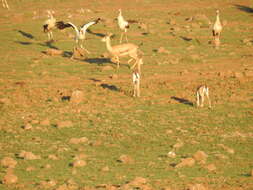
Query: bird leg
121, 36
81, 45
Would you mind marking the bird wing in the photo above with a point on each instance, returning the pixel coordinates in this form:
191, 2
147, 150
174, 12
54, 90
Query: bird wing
86, 26
61, 25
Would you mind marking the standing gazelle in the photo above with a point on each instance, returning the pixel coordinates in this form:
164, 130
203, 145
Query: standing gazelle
121, 50
202, 91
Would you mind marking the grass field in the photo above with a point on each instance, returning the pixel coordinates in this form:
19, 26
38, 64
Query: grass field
111, 140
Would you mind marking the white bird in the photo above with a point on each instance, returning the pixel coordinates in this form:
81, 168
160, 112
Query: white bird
123, 25
49, 25
80, 34
5, 4
217, 27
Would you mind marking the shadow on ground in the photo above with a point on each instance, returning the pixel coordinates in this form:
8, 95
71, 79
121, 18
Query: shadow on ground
182, 100
110, 87
244, 8
99, 61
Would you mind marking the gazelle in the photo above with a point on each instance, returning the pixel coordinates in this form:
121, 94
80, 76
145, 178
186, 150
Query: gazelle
202, 91
121, 50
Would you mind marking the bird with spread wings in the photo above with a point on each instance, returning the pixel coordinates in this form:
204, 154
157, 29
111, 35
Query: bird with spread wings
80, 33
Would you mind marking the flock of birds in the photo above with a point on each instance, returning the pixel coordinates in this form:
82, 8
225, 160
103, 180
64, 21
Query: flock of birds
126, 49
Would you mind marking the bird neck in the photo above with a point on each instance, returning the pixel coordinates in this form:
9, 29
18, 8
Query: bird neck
218, 17
108, 44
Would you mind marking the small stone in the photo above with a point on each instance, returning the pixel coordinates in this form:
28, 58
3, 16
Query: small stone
171, 154
10, 178
77, 97
45, 122
53, 157
114, 76
107, 68
211, 167
125, 159
238, 75
178, 145
138, 181
78, 140
63, 124
186, 162
79, 163
53, 52
200, 156
105, 169
197, 187
30, 168
248, 73
28, 126
28, 155
8, 162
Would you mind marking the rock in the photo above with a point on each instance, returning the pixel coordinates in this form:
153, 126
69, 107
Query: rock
45, 122
171, 154
28, 155
197, 187
63, 124
229, 150
27, 126
114, 76
178, 145
211, 167
200, 156
107, 68
62, 187
78, 140
48, 184
5, 101
105, 169
125, 159
53, 52
30, 168
77, 97
8, 162
53, 157
10, 178
248, 73
79, 163
186, 162
237, 75
138, 181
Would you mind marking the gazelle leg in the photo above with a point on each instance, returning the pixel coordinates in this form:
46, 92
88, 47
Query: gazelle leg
121, 36
126, 36
117, 59
209, 101
202, 100
138, 89
197, 102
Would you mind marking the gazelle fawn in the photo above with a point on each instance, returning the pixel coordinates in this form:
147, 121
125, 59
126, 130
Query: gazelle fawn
136, 83
117, 51
202, 91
